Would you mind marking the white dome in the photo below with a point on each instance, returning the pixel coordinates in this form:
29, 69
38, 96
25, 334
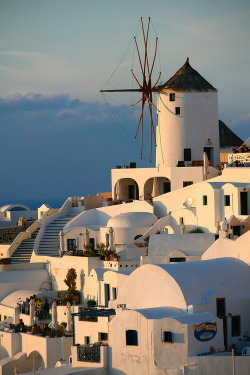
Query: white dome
133, 220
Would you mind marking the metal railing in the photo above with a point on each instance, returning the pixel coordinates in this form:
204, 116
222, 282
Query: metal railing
89, 354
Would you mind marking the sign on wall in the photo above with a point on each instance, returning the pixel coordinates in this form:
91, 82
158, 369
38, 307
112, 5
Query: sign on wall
205, 331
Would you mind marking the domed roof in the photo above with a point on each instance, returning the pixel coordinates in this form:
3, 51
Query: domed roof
187, 79
132, 220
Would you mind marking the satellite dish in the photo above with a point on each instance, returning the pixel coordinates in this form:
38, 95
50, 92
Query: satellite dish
188, 202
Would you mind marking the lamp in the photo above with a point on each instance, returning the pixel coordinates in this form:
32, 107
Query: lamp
208, 142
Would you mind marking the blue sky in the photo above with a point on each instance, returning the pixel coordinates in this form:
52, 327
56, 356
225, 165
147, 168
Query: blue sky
58, 137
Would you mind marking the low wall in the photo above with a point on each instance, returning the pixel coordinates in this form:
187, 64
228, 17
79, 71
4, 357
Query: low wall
7, 235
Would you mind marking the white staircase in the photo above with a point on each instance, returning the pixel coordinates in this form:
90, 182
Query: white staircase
49, 244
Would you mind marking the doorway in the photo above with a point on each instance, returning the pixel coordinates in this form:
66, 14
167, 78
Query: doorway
243, 203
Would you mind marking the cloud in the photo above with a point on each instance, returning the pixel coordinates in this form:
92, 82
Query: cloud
239, 120
58, 146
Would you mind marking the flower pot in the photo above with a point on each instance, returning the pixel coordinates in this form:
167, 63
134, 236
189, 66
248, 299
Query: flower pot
107, 257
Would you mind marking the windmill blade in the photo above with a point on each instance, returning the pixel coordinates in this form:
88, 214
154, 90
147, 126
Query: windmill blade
156, 41
136, 79
136, 102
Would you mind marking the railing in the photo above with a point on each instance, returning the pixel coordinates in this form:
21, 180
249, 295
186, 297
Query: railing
89, 354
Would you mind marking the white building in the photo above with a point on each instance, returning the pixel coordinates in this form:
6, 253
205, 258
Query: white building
175, 313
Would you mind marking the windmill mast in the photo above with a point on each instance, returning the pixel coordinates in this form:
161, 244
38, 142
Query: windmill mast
146, 89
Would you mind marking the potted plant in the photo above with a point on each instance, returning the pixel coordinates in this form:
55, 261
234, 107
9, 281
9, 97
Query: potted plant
107, 254
116, 257
87, 247
101, 248
70, 281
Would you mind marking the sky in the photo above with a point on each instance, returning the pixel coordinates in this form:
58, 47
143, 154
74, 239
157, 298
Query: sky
59, 137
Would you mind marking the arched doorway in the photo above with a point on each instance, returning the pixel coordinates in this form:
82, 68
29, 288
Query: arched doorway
164, 185
36, 361
130, 190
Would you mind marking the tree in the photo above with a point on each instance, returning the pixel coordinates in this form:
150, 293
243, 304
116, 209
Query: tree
70, 281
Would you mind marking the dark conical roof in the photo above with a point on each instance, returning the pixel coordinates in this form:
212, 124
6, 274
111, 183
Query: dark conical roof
187, 79
227, 137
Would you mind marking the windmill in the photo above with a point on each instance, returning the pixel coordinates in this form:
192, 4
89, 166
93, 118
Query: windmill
145, 88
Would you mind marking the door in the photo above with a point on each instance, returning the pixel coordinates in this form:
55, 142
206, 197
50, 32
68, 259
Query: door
107, 294
210, 154
243, 203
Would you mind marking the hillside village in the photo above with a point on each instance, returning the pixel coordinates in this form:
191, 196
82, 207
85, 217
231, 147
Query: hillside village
160, 280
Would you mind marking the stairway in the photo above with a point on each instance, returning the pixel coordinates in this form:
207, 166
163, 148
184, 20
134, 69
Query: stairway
50, 242
24, 251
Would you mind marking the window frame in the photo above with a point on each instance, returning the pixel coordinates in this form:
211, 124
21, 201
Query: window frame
227, 200
187, 183
172, 97
238, 326
177, 110
204, 200
73, 244
132, 341
166, 334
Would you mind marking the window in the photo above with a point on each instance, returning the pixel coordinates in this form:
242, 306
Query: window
167, 336
237, 230
187, 154
71, 244
181, 220
177, 110
114, 293
86, 340
235, 326
171, 97
138, 236
204, 200
166, 187
187, 183
102, 336
227, 200
177, 260
131, 337
221, 307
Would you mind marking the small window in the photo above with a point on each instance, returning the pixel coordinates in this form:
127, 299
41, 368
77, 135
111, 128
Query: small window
86, 340
138, 236
227, 200
187, 183
181, 220
187, 154
114, 293
177, 110
171, 97
71, 244
132, 337
235, 326
103, 336
167, 336
166, 187
177, 260
204, 200
221, 307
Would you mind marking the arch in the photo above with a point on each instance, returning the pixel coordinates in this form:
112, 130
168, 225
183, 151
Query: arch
164, 185
39, 361
130, 190
3, 352
14, 207
138, 236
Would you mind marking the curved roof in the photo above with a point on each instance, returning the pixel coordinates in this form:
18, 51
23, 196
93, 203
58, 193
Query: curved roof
132, 220
224, 248
187, 79
12, 207
183, 284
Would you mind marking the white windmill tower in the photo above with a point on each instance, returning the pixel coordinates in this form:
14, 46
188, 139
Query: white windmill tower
187, 122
